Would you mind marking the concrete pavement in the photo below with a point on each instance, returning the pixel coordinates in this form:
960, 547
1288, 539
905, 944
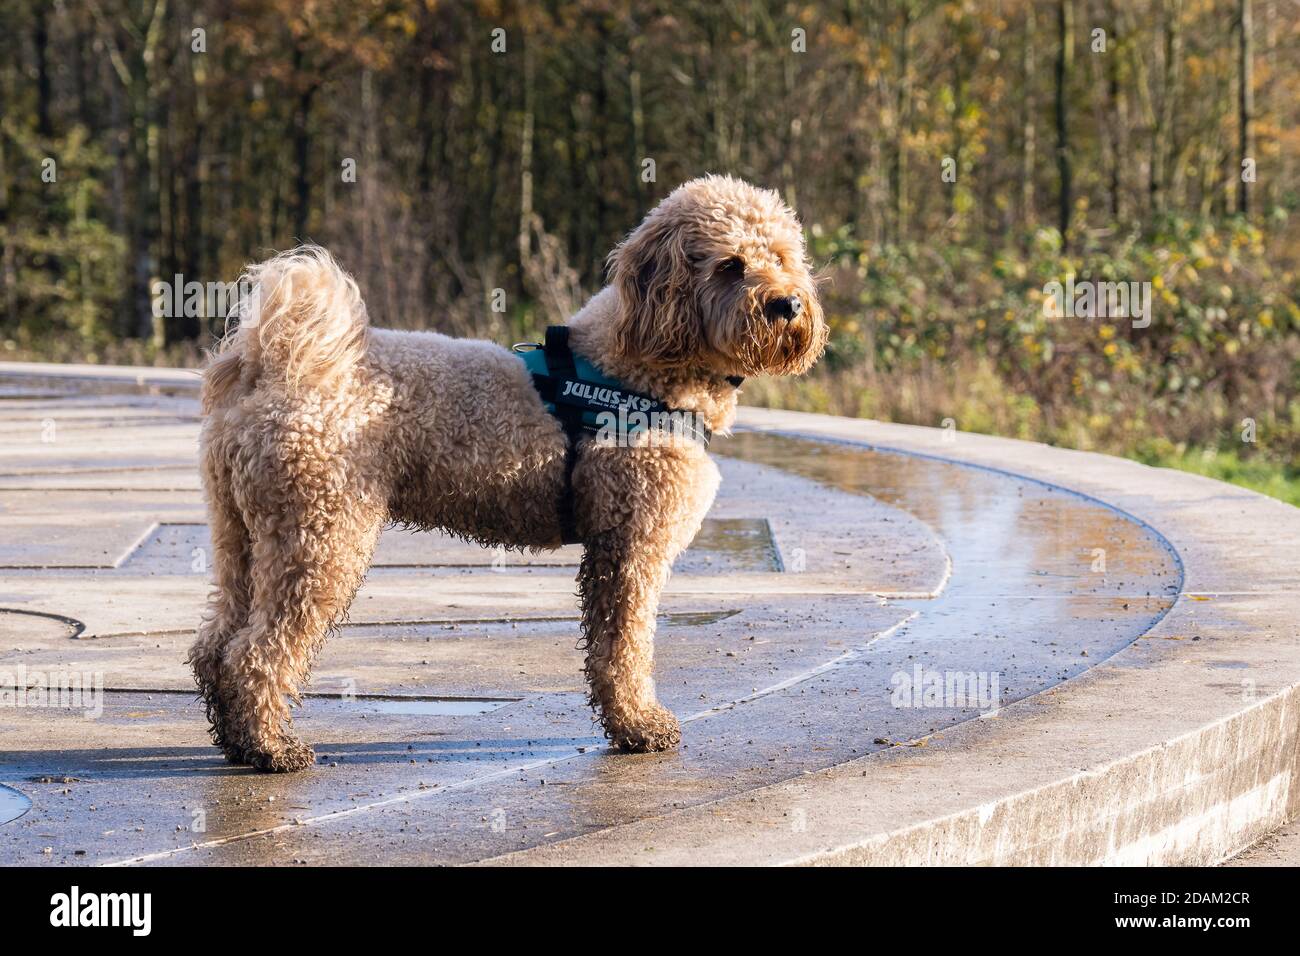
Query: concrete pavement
1123, 643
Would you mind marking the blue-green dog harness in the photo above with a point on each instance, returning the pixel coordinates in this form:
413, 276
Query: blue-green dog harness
584, 398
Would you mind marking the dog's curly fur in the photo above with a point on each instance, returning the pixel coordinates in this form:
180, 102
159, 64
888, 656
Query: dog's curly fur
319, 430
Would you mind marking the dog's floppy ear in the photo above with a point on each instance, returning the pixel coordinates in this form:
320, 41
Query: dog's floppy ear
658, 321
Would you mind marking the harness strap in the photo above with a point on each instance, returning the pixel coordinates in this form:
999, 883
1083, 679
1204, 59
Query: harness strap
560, 365
574, 401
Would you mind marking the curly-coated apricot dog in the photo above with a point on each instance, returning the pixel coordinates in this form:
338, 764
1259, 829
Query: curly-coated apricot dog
319, 430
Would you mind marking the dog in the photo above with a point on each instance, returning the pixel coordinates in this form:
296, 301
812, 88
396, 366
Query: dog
319, 430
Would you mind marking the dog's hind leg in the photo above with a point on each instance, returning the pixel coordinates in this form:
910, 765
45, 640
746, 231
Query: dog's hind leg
228, 604
305, 572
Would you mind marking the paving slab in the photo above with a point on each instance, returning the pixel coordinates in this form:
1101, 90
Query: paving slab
863, 600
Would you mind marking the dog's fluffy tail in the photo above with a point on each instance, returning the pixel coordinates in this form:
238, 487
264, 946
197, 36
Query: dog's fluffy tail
300, 320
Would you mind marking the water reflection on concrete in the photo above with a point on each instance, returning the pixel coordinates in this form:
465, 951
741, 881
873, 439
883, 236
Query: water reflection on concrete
1053, 579
419, 706
12, 804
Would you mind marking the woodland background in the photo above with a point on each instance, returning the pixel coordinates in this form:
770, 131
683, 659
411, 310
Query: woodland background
479, 169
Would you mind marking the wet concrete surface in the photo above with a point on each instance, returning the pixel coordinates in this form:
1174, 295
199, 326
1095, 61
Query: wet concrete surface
830, 579
13, 804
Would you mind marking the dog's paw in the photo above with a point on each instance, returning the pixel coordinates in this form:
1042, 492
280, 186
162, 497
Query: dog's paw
289, 756
653, 731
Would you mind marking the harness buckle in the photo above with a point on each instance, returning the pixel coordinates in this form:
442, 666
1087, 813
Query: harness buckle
527, 347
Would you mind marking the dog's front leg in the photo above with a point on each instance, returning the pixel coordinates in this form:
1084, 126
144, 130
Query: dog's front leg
619, 583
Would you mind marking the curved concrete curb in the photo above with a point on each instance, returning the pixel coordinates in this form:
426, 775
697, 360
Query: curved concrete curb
1180, 749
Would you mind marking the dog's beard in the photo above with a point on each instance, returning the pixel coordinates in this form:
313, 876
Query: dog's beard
756, 345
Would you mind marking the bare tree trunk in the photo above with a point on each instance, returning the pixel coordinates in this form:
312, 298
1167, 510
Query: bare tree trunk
1117, 118
638, 130
202, 254
1271, 101
139, 78
1064, 65
301, 139
8, 255
795, 131
145, 90
41, 40
1169, 94
1028, 127
526, 165
1245, 103
902, 109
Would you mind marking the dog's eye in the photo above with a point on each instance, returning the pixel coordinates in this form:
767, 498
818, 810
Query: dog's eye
735, 266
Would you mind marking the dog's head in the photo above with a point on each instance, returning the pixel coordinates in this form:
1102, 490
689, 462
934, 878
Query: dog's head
717, 274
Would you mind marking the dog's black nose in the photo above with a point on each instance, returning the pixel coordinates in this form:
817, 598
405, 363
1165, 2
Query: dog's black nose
785, 307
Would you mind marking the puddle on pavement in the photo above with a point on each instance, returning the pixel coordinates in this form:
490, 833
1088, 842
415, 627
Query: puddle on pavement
12, 804
457, 627
730, 544
1057, 581
1016, 535
695, 618
415, 706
